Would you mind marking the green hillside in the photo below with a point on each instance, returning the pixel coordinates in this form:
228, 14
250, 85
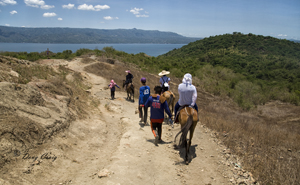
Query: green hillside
266, 65
254, 56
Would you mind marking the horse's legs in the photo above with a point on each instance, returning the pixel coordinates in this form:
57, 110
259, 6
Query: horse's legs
192, 129
173, 108
132, 96
186, 152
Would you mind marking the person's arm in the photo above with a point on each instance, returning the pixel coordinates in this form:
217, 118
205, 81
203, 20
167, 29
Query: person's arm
148, 102
117, 86
166, 107
194, 97
179, 93
141, 96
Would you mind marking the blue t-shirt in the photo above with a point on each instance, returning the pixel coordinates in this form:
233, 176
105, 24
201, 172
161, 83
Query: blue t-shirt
144, 94
157, 108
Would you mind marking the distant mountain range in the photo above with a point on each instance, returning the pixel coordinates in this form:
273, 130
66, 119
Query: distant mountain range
295, 40
89, 36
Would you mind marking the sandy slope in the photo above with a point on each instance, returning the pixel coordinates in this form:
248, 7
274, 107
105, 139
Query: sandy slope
111, 142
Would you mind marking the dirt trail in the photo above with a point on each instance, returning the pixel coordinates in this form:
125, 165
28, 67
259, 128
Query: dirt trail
111, 142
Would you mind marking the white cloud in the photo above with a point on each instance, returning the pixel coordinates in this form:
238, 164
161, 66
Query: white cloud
101, 7
110, 18
13, 12
38, 4
282, 35
47, 7
137, 12
49, 14
34, 3
6, 2
142, 15
69, 6
7, 25
93, 8
60, 19
86, 7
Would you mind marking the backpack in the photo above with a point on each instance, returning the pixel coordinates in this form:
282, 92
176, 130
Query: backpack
111, 85
165, 85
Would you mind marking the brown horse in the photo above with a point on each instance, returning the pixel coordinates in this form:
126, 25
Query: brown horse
188, 118
129, 90
170, 98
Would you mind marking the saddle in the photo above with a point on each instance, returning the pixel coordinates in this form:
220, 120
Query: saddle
178, 112
176, 116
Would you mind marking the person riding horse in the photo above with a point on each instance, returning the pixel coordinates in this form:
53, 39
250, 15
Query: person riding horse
164, 80
187, 94
166, 93
128, 80
188, 117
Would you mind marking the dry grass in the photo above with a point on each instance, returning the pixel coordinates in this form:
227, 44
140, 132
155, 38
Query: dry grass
269, 149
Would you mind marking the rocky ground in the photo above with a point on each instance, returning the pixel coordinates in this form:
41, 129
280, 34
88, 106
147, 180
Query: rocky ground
111, 147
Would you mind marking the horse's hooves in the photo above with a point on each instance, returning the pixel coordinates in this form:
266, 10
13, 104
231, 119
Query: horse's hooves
187, 162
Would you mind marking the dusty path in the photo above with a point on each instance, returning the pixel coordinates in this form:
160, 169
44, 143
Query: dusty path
111, 141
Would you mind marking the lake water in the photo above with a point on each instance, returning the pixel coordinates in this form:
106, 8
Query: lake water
149, 49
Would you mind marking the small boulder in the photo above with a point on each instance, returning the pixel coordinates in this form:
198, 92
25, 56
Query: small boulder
103, 173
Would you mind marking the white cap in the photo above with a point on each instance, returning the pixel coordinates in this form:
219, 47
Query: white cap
187, 78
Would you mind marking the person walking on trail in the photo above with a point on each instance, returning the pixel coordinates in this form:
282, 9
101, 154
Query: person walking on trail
158, 106
187, 94
164, 80
112, 87
144, 95
129, 78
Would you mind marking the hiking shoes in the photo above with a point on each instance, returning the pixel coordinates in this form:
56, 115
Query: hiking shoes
156, 140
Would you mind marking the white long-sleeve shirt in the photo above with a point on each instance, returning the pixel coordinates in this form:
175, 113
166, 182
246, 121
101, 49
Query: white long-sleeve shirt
187, 94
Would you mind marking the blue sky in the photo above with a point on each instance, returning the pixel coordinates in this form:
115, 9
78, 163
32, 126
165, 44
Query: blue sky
192, 18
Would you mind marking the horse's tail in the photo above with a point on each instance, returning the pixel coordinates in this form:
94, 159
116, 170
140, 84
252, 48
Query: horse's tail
171, 99
184, 131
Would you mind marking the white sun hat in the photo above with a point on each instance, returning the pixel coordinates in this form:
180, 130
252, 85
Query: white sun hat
163, 73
